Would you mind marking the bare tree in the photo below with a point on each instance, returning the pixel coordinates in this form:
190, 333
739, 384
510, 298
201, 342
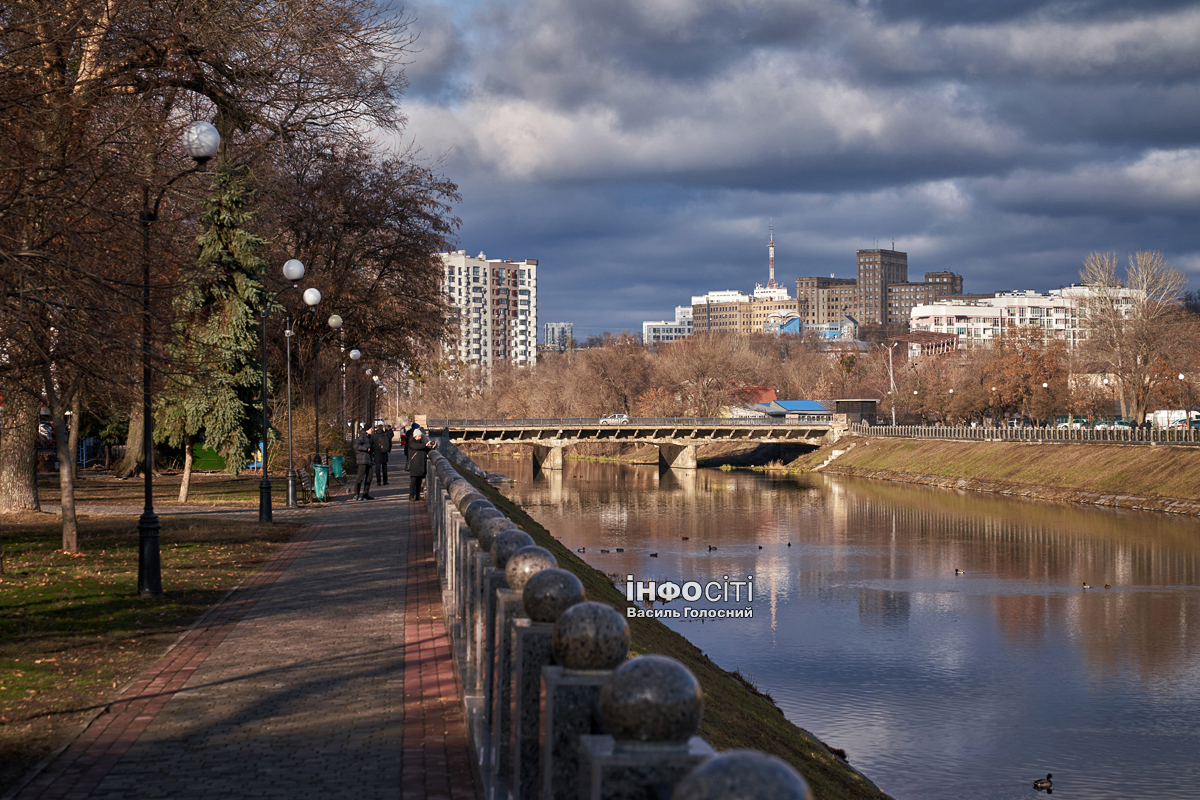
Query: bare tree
1130, 322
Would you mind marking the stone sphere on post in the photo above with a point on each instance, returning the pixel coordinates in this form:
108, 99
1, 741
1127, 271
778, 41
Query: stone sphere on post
487, 531
486, 515
652, 699
550, 592
506, 546
474, 507
743, 775
458, 487
525, 563
590, 636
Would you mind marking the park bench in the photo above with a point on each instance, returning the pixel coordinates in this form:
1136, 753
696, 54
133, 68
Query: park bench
306, 485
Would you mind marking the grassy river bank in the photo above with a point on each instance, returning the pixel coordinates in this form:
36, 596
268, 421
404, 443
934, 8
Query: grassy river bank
1143, 477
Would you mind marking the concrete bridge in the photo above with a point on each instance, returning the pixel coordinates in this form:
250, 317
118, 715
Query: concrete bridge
675, 437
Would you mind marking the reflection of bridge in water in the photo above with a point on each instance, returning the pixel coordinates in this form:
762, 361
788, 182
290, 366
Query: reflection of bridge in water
675, 437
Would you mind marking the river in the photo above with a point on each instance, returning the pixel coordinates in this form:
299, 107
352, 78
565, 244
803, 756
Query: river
938, 685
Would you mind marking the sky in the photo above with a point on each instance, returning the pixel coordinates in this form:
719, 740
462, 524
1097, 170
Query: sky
640, 150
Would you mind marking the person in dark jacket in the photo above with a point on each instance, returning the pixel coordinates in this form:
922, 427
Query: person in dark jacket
381, 445
362, 456
418, 456
408, 439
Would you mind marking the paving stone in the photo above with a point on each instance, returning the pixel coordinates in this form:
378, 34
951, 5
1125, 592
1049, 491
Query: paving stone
325, 675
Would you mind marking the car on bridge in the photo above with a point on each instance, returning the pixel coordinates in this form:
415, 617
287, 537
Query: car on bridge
615, 419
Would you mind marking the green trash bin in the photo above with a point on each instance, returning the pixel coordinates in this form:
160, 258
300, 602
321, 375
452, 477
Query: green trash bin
320, 480
338, 465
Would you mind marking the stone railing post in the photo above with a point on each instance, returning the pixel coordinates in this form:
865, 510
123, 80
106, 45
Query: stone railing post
651, 707
545, 597
589, 640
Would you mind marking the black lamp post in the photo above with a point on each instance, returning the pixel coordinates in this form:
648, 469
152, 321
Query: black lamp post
335, 322
201, 140
293, 271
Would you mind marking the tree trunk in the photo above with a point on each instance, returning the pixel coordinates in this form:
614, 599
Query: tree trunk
186, 484
73, 434
66, 475
18, 448
135, 449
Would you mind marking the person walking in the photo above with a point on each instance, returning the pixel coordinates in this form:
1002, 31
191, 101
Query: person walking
362, 456
418, 458
381, 445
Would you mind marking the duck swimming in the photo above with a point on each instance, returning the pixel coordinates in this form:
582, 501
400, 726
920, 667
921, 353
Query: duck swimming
1044, 784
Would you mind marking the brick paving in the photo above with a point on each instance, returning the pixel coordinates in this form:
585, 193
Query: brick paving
327, 674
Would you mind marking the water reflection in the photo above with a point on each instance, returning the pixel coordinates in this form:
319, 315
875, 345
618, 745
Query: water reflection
938, 684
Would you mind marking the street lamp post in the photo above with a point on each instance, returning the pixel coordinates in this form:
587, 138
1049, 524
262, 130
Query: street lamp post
892, 381
355, 355
293, 270
1187, 409
335, 323
201, 140
291, 471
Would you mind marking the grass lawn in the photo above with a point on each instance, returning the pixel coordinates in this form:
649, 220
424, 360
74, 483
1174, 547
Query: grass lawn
206, 489
72, 629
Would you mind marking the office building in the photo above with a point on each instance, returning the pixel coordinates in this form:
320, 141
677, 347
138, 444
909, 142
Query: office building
880, 292
669, 330
496, 304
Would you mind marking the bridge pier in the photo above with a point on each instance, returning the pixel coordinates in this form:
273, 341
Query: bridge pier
677, 456
547, 457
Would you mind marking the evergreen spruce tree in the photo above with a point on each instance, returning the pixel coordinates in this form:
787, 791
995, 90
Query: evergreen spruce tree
218, 334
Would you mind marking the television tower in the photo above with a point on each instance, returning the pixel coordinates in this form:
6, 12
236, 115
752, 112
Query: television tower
771, 253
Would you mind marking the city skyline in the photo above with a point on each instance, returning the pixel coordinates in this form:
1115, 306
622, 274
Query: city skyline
641, 151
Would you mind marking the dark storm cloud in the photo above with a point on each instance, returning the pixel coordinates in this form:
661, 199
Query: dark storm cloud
639, 148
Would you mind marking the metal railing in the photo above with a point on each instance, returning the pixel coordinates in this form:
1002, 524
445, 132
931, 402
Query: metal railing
634, 422
1180, 436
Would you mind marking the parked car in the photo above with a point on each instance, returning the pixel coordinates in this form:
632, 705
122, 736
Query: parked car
1074, 423
615, 419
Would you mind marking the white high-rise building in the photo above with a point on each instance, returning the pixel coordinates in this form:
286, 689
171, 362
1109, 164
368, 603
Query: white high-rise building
496, 302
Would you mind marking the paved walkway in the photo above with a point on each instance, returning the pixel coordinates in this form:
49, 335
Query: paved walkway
326, 675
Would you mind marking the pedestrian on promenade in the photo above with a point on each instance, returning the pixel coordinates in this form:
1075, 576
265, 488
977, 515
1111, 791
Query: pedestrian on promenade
362, 456
381, 445
418, 456
408, 438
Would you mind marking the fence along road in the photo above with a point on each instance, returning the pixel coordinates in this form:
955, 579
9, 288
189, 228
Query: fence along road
1177, 436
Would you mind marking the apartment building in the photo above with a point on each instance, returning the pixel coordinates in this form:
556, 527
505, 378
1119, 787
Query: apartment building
496, 303
558, 335
981, 320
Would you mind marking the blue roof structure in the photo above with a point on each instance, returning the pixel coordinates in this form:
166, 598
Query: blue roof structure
801, 406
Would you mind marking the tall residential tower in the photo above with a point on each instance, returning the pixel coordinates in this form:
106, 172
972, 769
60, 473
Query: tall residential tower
496, 303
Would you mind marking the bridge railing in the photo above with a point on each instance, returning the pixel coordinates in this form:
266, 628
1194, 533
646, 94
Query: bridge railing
1182, 436
577, 422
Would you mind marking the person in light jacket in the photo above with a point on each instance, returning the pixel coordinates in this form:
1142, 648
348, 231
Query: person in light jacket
418, 462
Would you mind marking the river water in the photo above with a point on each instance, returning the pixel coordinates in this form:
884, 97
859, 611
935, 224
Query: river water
938, 685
